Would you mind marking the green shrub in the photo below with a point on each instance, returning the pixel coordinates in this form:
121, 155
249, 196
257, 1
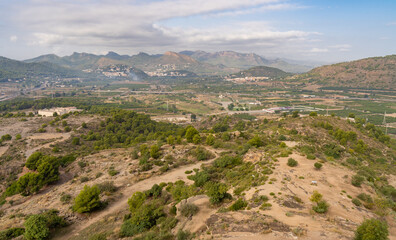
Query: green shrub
321, 207
36, 228
210, 140
365, 197
65, 198
357, 202
188, 210
32, 160
112, 172
84, 179
318, 165
256, 141
11, 233
76, 141
87, 200
357, 180
227, 161
316, 197
183, 235
216, 192
313, 114
154, 192
291, 162
197, 139
18, 136
372, 229
190, 133
200, 178
310, 156
29, 183
136, 201
98, 236
107, 186
238, 205
155, 152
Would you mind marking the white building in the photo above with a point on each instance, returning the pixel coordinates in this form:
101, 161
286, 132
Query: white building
59, 111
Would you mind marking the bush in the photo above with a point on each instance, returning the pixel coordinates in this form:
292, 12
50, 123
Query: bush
238, 205
256, 141
372, 229
76, 141
318, 165
31, 162
227, 161
190, 133
98, 236
357, 180
316, 197
200, 178
313, 114
357, 202
210, 140
36, 228
321, 207
155, 152
87, 200
183, 235
365, 197
136, 201
154, 192
216, 192
65, 198
291, 162
107, 187
188, 210
11, 233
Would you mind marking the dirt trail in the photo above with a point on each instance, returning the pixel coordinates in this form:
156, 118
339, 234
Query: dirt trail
121, 203
58, 137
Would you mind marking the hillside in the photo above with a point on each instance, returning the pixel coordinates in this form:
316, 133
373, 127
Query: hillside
369, 73
261, 71
12, 69
124, 175
245, 60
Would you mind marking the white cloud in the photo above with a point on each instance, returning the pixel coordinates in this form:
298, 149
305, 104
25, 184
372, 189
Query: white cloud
133, 25
318, 50
13, 38
342, 47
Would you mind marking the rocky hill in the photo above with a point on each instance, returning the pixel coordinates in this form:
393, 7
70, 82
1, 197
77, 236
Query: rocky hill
368, 73
262, 71
245, 60
311, 177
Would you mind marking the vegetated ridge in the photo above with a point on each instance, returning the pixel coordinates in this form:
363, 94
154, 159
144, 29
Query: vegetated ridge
369, 73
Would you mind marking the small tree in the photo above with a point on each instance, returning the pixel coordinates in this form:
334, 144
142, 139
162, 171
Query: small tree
372, 229
136, 201
197, 139
36, 228
318, 165
210, 140
76, 141
216, 192
170, 140
190, 133
155, 151
256, 141
31, 162
87, 200
313, 114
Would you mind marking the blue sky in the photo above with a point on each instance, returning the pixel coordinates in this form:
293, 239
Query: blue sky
318, 30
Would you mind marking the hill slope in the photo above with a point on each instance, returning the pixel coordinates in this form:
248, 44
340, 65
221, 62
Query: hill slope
262, 71
12, 69
245, 60
376, 72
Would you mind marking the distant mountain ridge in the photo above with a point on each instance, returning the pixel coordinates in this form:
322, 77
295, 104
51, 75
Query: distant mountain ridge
13, 69
198, 62
245, 60
372, 73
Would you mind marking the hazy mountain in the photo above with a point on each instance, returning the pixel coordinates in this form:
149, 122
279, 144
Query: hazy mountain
262, 71
12, 69
246, 60
376, 72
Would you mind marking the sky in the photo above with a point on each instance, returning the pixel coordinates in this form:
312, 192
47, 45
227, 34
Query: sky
317, 30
